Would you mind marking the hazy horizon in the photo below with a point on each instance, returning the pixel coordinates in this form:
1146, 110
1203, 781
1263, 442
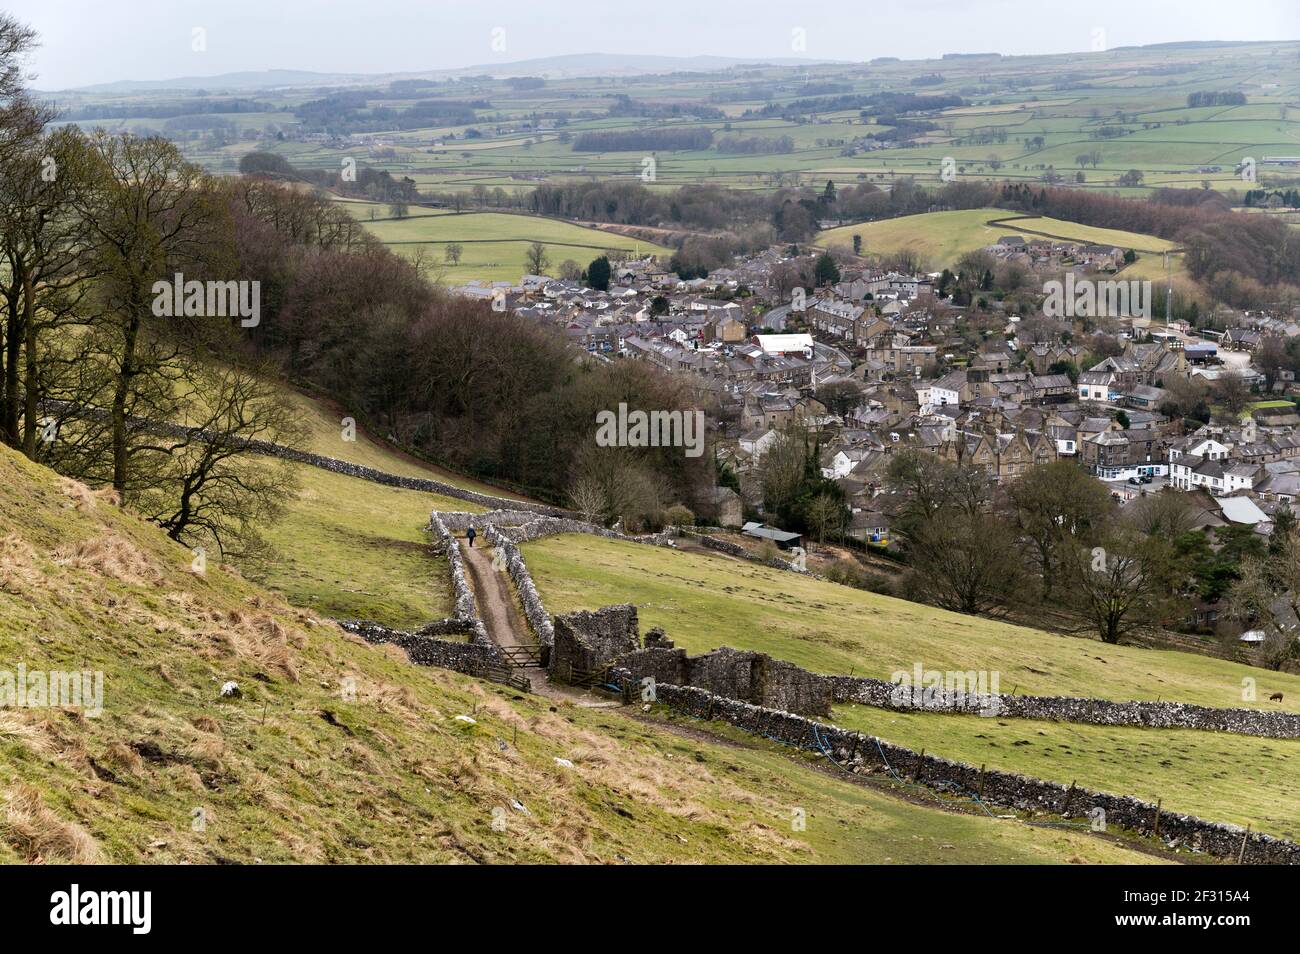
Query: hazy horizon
86, 43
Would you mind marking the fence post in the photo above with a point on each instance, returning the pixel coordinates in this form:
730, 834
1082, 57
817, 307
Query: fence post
1241, 853
1159, 802
920, 764
981, 794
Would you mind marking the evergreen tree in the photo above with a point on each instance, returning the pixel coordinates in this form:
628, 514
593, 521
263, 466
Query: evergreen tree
598, 273
826, 272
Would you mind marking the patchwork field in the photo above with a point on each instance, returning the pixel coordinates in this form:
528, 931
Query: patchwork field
1025, 119
704, 601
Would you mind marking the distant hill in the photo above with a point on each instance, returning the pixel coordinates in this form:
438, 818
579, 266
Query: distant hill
574, 64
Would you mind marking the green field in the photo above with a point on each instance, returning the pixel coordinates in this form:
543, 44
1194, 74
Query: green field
1231, 778
495, 244
705, 601
940, 238
353, 549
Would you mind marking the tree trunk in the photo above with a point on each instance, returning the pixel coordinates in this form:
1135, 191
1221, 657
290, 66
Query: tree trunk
9, 388
31, 410
120, 391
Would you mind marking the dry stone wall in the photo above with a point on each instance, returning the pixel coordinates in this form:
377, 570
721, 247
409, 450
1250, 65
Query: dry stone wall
463, 520
465, 608
1150, 715
318, 460
553, 526
534, 610
738, 551
586, 641
483, 660
735, 674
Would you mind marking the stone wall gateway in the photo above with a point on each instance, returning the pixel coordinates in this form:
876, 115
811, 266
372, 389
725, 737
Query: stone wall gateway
587, 641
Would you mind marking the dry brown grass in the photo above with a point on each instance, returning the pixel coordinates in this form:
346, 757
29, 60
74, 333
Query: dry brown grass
18, 727
207, 724
18, 569
112, 556
41, 836
257, 637
84, 499
123, 758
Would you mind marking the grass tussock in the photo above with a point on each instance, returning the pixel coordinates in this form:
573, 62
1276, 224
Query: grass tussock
40, 835
112, 556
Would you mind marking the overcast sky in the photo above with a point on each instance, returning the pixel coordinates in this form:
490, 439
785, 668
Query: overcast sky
98, 41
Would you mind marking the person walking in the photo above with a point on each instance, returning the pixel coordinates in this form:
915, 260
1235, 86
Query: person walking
469, 535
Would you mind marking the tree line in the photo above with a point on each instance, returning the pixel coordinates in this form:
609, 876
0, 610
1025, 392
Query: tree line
1053, 538
649, 139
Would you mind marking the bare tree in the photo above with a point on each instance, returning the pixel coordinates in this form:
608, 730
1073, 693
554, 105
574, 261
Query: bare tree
47, 280
825, 515
1118, 587
145, 212
536, 259
961, 556
1232, 393
1055, 505
210, 488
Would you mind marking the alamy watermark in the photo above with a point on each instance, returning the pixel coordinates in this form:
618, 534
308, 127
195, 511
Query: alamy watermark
131, 909
51, 688
626, 428
1086, 298
195, 299
952, 689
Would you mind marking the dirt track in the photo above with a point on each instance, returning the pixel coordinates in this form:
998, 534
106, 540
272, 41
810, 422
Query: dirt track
507, 627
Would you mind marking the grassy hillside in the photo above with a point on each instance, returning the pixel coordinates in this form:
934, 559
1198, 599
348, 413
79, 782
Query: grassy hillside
322, 420
340, 751
494, 243
352, 549
706, 601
